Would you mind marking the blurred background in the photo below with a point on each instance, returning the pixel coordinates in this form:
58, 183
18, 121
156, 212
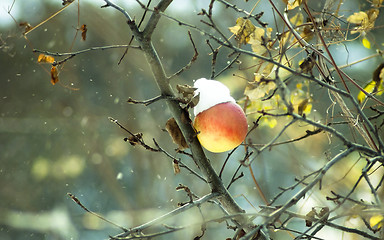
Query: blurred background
56, 139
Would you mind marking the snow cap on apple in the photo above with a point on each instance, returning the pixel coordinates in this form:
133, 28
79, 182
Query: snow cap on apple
220, 122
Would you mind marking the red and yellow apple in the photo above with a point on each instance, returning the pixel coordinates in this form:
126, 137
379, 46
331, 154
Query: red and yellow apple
219, 121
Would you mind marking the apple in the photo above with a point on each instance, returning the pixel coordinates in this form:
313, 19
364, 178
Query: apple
220, 122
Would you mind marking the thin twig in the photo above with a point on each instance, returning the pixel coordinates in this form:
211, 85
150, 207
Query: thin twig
300, 194
135, 138
146, 102
194, 58
179, 162
133, 37
73, 54
172, 213
214, 56
77, 201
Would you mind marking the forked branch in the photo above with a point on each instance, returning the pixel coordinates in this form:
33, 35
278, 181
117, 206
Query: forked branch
215, 183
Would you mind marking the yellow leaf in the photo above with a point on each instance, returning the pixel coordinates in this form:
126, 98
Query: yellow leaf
364, 20
381, 75
375, 85
376, 220
243, 30
368, 88
304, 107
284, 39
366, 43
257, 41
261, 85
377, 3
298, 19
247, 33
301, 100
45, 59
272, 122
258, 90
292, 4
371, 87
271, 105
267, 71
380, 89
358, 18
373, 13
269, 31
299, 86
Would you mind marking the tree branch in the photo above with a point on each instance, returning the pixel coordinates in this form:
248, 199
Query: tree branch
276, 214
179, 210
180, 114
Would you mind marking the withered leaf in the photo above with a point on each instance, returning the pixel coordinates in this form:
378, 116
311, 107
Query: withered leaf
243, 30
324, 213
175, 132
135, 139
241, 234
26, 25
292, 4
66, 2
45, 59
188, 94
365, 21
308, 63
183, 187
186, 90
176, 167
302, 106
54, 75
259, 88
194, 101
83, 30
378, 74
377, 3
310, 215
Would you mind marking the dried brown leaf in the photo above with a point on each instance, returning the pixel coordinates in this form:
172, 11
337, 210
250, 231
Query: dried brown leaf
176, 167
135, 139
26, 25
83, 30
302, 106
307, 65
175, 132
310, 215
54, 75
188, 95
324, 213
